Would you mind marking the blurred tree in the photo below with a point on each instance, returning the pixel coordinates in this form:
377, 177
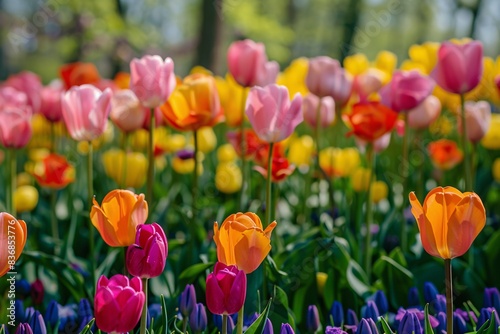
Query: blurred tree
209, 33
3, 69
351, 20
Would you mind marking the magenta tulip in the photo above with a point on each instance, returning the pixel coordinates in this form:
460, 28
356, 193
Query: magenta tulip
272, 115
226, 289
29, 83
126, 111
478, 118
497, 83
118, 303
50, 106
15, 126
152, 79
459, 67
406, 90
147, 256
310, 109
425, 113
85, 111
325, 77
247, 63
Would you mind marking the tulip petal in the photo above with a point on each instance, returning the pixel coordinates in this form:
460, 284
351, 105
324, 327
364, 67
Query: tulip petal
251, 250
103, 225
214, 295
425, 227
236, 298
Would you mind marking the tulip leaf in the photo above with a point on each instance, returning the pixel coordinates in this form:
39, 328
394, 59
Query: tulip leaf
492, 252
428, 328
108, 262
484, 328
357, 279
385, 326
190, 274
281, 311
258, 325
164, 328
87, 327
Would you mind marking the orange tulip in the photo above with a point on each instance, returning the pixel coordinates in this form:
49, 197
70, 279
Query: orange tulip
117, 218
371, 120
445, 154
241, 241
76, 74
193, 104
449, 221
13, 235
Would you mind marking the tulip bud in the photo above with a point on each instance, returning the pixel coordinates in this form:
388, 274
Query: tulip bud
367, 326
410, 324
187, 300
52, 313
24, 328
230, 323
379, 191
351, 318
84, 313
320, 281
370, 311
312, 320
23, 288
25, 198
20, 312
198, 318
37, 292
36, 322
337, 313
286, 329
334, 330
380, 300
226, 289
226, 153
228, 177
430, 292
268, 327
360, 179
441, 328
492, 298
413, 297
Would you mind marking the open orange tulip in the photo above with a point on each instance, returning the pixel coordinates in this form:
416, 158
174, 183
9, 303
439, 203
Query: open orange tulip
449, 221
118, 216
241, 241
13, 235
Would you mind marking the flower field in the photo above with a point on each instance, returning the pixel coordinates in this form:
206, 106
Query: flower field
324, 197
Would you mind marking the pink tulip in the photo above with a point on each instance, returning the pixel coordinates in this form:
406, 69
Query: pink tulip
50, 105
29, 83
425, 113
85, 111
126, 111
272, 115
406, 90
497, 82
247, 63
152, 79
118, 303
325, 77
367, 83
15, 126
459, 67
11, 97
146, 258
226, 289
478, 118
326, 112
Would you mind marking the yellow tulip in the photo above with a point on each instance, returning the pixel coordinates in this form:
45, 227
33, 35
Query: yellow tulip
487, 90
339, 162
136, 162
449, 221
294, 77
24, 179
241, 241
226, 153
118, 216
379, 191
491, 140
386, 62
496, 169
139, 139
183, 165
25, 198
232, 99
356, 64
228, 178
207, 141
13, 235
176, 142
320, 282
423, 56
360, 179
301, 151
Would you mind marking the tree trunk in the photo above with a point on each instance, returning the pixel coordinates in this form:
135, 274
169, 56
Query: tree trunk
209, 33
3, 67
475, 14
350, 24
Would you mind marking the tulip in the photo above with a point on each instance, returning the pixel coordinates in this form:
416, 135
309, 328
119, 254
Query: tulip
36, 322
241, 241
226, 153
334, 330
206, 138
54, 172
84, 313
253, 143
422, 57
351, 318
379, 191
193, 104
371, 120
337, 313
22, 288
410, 324
459, 67
294, 76
22, 328
449, 221
425, 113
232, 97
339, 162
118, 303
312, 319
118, 217
136, 163
301, 151
228, 178
25, 198
491, 139
37, 292
280, 167
286, 329
268, 327
367, 326
491, 314
478, 118
491, 298
226, 289
325, 77
183, 162
368, 83
198, 318
444, 154
187, 300
146, 258
247, 63
360, 179
50, 106
77, 74
380, 300
15, 127
85, 111
326, 112
29, 83
9, 227
406, 90
152, 79
126, 111
272, 115
67, 318
370, 311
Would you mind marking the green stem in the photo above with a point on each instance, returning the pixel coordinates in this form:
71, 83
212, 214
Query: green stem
406, 175
124, 144
243, 150
269, 185
145, 307
467, 163
449, 295
53, 147
11, 180
420, 185
90, 187
224, 324
151, 159
184, 324
239, 325
195, 174
369, 210
53, 222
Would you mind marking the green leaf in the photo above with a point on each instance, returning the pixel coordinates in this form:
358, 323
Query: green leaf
258, 325
484, 327
87, 327
281, 310
164, 314
107, 264
357, 279
190, 274
385, 326
428, 327
493, 327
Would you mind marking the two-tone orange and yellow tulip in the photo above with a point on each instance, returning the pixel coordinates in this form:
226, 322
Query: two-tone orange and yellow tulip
13, 235
449, 221
118, 216
242, 241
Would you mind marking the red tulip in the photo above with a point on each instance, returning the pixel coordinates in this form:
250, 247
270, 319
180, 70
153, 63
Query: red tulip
459, 67
126, 111
371, 120
271, 114
152, 79
444, 154
226, 289
247, 63
325, 77
425, 113
478, 118
118, 303
29, 83
77, 74
147, 256
326, 112
51, 102
54, 171
85, 111
406, 90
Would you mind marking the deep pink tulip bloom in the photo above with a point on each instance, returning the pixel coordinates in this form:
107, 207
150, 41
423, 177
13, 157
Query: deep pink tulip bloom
478, 118
272, 115
497, 82
15, 127
126, 111
425, 113
152, 79
147, 256
325, 77
50, 106
406, 90
247, 63
118, 303
29, 83
459, 67
85, 111
226, 289
310, 109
